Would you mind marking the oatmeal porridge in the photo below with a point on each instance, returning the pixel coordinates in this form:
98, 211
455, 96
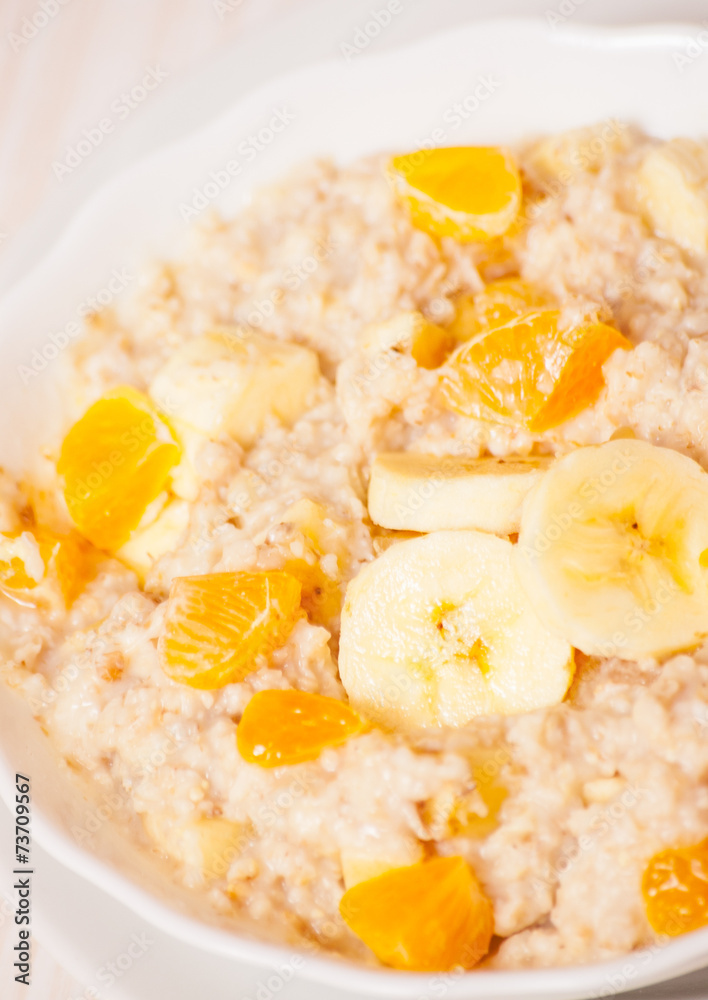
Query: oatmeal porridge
371, 568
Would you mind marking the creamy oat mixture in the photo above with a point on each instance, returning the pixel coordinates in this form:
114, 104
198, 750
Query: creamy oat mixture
595, 785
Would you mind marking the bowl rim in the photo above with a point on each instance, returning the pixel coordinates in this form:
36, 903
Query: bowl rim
677, 956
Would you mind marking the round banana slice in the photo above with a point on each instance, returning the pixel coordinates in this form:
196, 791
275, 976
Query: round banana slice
613, 550
437, 631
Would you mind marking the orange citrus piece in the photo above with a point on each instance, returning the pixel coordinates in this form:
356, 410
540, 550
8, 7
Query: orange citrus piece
467, 192
429, 917
675, 889
499, 303
289, 727
218, 625
65, 559
115, 461
529, 373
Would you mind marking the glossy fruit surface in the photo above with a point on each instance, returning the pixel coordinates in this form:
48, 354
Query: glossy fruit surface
429, 917
220, 626
289, 727
115, 461
467, 192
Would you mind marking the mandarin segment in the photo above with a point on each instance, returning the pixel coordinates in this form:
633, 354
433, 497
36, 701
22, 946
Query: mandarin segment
675, 889
290, 727
218, 626
29, 558
530, 373
115, 462
498, 303
467, 192
428, 917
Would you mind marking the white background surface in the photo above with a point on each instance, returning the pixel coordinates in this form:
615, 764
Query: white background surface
67, 78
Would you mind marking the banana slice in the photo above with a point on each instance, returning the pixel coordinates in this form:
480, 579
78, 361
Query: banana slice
232, 380
673, 187
411, 492
437, 631
613, 550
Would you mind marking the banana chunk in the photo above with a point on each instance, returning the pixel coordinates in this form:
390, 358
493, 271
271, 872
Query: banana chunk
230, 382
613, 550
409, 331
210, 844
411, 492
673, 187
437, 631
146, 545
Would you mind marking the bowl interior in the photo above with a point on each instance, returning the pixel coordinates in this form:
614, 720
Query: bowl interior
492, 82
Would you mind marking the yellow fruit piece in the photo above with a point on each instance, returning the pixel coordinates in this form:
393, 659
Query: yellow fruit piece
497, 304
147, 545
359, 864
485, 770
321, 595
218, 625
428, 917
29, 558
467, 192
530, 373
210, 843
410, 331
232, 381
672, 183
568, 154
675, 889
451, 814
115, 461
290, 727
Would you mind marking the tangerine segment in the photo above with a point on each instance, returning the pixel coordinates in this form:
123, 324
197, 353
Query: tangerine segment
218, 625
529, 372
115, 461
675, 889
289, 727
467, 192
67, 559
499, 303
429, 917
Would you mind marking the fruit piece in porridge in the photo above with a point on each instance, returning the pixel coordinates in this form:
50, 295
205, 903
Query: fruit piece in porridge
409, 331
218, 626
288, 727
115, 462
497, 304
613, 550
39, 556
437, 631
673, 187
675, 889
365, 861
146, 545
428, 917
413, 492
210, 843
232, 381
467, 192
530, 373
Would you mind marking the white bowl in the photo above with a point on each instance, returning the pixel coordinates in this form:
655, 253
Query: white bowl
540, 80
